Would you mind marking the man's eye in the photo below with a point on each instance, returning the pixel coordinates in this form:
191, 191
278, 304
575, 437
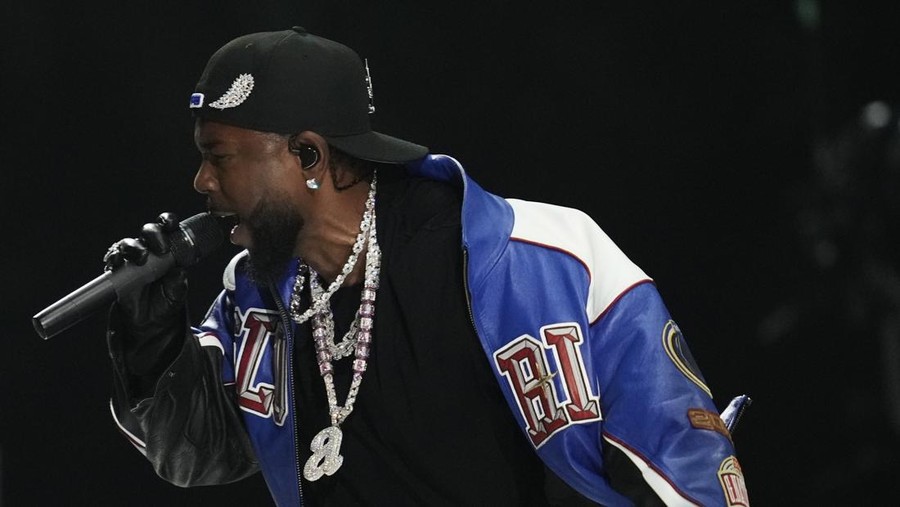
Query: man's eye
215, 158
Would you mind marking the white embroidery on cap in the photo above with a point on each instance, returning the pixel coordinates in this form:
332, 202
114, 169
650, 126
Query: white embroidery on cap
237, 94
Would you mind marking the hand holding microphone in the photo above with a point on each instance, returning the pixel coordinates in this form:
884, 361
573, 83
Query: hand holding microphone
133, 265
157, 302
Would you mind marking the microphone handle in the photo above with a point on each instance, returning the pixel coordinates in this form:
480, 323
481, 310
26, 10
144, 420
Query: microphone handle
99, 293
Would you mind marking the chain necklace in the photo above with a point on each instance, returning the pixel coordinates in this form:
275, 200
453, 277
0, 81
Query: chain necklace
325, 321
325, 446
320, 303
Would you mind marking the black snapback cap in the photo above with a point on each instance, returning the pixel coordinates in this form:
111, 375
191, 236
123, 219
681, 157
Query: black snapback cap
290, 81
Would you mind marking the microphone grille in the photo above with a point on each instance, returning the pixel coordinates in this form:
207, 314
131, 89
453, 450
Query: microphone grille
200, 235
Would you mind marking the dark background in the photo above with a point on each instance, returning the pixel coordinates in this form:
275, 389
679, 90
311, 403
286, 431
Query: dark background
743, 153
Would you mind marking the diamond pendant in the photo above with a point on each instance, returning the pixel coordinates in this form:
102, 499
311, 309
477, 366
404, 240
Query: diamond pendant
325, 460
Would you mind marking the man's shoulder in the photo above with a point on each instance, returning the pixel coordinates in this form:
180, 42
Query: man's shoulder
572, 232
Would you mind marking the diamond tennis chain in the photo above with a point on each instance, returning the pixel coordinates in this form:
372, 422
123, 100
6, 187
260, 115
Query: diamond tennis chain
325, 446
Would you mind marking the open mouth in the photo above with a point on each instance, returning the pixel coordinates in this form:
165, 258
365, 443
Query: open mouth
227, 216
229, 219
231, 222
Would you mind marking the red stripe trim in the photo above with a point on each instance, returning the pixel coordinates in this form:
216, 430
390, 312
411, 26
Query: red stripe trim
555, 248
586, 268
621, 294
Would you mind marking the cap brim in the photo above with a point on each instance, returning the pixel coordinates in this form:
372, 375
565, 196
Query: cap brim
377, 147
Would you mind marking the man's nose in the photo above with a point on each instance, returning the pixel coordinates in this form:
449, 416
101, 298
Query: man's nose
205, 181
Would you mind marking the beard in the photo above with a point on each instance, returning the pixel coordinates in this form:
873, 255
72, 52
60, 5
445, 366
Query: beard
274, 225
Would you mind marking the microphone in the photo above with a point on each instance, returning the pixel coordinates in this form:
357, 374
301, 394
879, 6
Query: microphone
196, 237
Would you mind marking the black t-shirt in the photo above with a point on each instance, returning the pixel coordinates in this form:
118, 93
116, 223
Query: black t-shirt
430, 425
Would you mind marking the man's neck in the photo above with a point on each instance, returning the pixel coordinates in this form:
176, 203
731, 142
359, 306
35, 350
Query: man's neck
326, 240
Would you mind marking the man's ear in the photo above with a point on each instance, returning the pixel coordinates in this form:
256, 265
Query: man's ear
311, 150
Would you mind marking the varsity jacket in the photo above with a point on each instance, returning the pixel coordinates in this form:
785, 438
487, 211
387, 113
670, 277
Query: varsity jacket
579, 340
